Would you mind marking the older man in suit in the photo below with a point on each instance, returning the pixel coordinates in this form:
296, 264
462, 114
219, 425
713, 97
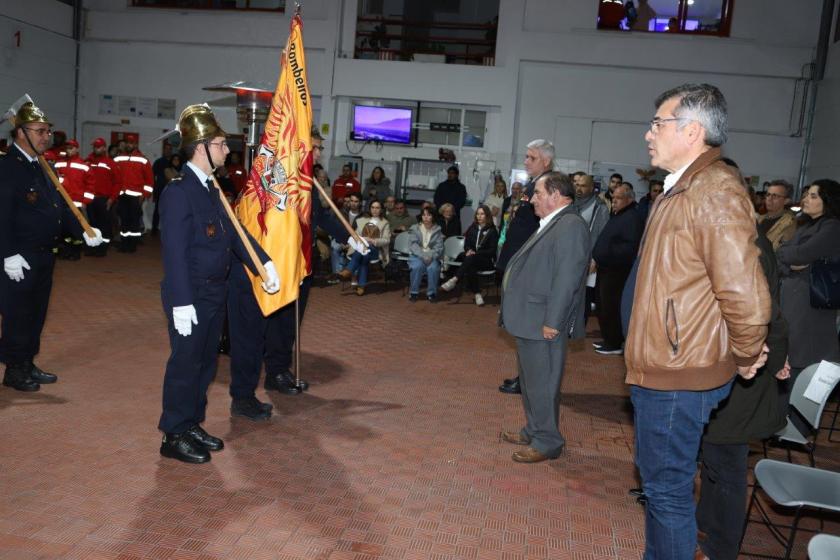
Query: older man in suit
541, 306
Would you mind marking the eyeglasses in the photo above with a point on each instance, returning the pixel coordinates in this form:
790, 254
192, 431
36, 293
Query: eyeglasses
656, 123
40, 131
774, 195
222, 144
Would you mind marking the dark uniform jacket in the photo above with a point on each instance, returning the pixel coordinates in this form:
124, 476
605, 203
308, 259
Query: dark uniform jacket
197, 238
618, 243
33, 215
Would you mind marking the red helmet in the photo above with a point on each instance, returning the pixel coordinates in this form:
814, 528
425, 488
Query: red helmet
98, 143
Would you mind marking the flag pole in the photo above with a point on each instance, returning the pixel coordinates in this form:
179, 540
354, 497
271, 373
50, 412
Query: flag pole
337, 212
245, 241
57, 184
297, 342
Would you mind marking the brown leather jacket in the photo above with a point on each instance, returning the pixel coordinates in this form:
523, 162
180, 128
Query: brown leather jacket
701, 304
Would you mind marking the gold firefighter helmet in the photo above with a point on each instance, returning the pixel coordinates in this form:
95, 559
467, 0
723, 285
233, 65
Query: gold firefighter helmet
29, 113
198, 123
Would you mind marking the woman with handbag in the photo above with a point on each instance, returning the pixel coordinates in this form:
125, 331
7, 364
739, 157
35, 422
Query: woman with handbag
377, 232
804, 260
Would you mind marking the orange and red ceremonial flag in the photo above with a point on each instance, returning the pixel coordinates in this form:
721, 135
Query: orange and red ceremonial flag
276, 204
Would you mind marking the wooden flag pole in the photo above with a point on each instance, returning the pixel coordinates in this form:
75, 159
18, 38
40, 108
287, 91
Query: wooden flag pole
245, 240
338, 213
57, 184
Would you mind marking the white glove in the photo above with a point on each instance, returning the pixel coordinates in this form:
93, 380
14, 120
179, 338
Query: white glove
14, 266
94, 241
363, 247
184, 318
273, 284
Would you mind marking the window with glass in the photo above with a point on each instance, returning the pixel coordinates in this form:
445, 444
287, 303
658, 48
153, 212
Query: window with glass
697, 17
264, 5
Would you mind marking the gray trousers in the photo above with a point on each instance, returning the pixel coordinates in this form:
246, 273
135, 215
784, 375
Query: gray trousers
541, 364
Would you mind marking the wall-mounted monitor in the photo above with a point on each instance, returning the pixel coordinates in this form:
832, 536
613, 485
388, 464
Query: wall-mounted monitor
383, 124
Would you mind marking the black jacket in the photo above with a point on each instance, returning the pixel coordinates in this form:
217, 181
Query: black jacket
450, 228
520, 228
483, 242
453, 192
618, 243
753, 409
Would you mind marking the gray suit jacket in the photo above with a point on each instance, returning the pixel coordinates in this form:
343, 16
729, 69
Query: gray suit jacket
544, 282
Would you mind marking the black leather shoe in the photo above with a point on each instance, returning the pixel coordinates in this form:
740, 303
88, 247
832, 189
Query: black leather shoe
38, 375
511, 381
183, 448
279, 383
636, 492
290, 380
250, 408
512, 389
17, 377
209, 442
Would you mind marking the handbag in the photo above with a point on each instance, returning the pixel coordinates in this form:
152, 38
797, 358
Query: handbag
825, 283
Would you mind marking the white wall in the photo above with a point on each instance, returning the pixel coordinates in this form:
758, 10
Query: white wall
555, 76
43, 65
824, 160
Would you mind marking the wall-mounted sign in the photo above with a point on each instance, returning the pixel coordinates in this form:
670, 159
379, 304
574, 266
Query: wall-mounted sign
445, 127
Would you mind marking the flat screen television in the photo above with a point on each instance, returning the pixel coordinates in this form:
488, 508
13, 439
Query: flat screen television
382, 124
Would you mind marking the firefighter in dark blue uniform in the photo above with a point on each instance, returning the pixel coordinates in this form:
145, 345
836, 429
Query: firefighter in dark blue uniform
34, 218
197, 239
255, 339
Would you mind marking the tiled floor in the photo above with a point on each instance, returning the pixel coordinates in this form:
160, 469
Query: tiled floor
393, 453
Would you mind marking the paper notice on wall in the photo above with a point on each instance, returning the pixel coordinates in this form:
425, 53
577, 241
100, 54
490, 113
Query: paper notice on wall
147, 107
166, 109
126, 106
822, 382
107, 105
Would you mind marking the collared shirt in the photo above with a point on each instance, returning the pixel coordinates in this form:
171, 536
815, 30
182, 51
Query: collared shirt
202, 176
30, 158
671, 180
545, 221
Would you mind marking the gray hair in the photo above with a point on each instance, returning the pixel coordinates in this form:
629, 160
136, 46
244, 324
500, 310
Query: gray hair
784, 184
556, 181
545, 148
703, 103
630, 191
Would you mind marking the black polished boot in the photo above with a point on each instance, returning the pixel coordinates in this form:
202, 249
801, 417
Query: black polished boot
38, 375
511, 388
17, 377
290, 380
211, 443
279, 383
183, 448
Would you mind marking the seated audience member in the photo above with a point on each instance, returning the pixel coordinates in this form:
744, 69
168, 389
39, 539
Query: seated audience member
449, 223
400, 219
812, 332
338, 250
345, 185
656, 188
778, 223
496, 200
480, 244
388, 205
426, 249
377, 186
515, 194
377, 232
320, 174
614, 253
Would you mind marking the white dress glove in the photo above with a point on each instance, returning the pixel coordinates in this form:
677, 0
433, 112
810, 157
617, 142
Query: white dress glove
272, 286
363, 247
94, 241
14, 266
184, 318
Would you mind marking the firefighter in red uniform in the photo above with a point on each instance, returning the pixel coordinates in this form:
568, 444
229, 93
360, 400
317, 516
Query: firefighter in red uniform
135, 172
73, 174
236, 172
57, 151
106, 188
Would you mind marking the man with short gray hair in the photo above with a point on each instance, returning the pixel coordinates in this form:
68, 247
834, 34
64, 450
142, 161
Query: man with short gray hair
779, 223
701, 307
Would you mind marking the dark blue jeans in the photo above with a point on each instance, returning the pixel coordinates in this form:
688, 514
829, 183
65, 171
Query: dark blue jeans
668, 427
360, 264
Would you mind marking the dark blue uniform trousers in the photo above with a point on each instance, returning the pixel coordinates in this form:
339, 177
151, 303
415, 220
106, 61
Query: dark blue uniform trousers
254, 338
24, 308
192, 363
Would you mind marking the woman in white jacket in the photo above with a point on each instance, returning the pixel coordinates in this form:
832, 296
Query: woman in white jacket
377, 232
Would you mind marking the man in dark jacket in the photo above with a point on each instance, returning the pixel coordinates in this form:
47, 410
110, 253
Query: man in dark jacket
613, 254
452, 191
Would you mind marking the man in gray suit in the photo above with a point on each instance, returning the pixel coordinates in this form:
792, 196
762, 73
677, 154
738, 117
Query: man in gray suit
543, 290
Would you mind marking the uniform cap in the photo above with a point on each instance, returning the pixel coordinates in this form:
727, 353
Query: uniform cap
29, 113
131, 137
198, 123
72, 143
98, 143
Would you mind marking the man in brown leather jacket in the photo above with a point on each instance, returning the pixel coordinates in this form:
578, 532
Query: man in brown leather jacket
700, 308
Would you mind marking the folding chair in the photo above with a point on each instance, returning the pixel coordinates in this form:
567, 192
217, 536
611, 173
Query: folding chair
792, 486
824, 547
400, 256
452, 249
810, 411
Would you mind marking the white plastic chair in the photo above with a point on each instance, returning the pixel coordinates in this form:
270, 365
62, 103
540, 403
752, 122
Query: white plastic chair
452, 249
792, 486
824, 547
